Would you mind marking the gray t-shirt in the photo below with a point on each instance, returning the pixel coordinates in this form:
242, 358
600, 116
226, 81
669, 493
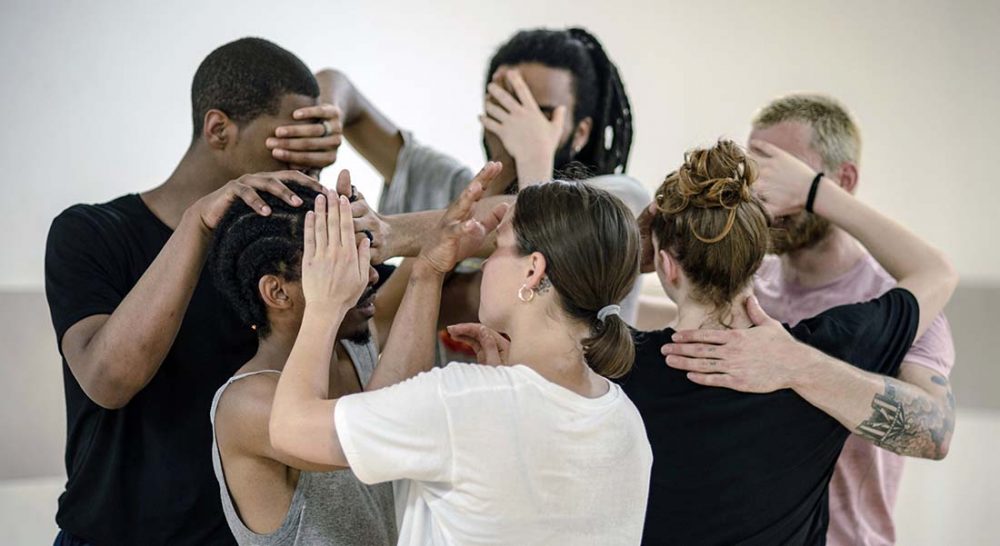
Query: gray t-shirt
330, 508
428, 179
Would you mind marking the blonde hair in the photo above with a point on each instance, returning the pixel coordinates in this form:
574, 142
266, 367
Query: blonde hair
835, 135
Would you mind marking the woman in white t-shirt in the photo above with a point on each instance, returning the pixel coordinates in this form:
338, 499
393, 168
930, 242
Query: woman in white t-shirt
538, 449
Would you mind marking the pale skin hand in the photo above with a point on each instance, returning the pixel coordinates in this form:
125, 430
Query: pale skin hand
913, 415
334, 275
302, 421
304, 146
783, 180
491, 347
526, 133
115, 356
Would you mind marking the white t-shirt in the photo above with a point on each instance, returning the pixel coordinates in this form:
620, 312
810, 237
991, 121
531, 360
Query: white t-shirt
499, 455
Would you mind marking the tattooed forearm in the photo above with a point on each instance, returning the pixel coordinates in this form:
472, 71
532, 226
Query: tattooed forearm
909, 421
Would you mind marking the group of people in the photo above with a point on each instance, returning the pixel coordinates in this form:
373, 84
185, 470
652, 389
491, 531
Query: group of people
242, 365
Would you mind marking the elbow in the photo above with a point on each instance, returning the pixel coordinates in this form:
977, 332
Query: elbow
110, 393
108, 387
948, 274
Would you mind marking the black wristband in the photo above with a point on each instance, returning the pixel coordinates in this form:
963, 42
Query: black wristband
812, 192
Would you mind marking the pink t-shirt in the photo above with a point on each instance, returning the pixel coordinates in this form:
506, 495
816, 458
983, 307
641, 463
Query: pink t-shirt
866, 479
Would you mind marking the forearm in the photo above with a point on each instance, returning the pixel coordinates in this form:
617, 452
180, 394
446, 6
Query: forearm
408, 230
368, 130
127, 350
412, 338
302, 424
913, 262
892, 414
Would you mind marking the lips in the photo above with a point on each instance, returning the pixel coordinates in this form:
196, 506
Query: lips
366, 305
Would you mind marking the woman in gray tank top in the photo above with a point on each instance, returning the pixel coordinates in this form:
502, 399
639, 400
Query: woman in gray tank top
270, 498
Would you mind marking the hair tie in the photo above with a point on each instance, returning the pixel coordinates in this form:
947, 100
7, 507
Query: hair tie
608, 310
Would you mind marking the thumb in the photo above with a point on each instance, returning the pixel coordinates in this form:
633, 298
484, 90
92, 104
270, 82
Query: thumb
756, 313
344, 183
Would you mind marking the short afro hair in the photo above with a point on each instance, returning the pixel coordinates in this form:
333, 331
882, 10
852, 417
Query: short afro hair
248, 246
247, 78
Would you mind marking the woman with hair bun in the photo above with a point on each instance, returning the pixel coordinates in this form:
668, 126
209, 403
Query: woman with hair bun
540, 447
739, 468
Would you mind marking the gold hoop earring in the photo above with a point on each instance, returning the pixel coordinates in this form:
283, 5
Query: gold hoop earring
522, 297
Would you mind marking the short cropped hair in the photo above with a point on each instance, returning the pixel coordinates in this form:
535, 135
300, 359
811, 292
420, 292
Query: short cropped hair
835, 137
247, 78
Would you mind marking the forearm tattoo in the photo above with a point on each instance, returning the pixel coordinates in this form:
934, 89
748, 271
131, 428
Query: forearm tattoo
907, 421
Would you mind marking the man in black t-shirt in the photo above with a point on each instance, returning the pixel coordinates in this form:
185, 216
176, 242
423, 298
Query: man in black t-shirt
145, 337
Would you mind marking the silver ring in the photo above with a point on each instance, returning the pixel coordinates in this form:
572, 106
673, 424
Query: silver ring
327, 128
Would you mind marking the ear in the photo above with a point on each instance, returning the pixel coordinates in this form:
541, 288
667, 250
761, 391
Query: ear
272, 292
536, 271
218, 130
847, 175
669, 266
581, 133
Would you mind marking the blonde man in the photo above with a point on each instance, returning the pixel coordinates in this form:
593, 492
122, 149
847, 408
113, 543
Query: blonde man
816, 266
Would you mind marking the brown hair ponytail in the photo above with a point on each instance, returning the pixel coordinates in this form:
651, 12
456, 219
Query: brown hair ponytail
591, 246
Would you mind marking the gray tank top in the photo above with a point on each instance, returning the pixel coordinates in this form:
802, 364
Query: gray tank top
327, 507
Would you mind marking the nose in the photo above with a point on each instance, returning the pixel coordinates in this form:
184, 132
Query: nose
372, 276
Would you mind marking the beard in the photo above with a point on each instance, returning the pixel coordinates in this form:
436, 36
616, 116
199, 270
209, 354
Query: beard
797, 232
355, 326
565, 167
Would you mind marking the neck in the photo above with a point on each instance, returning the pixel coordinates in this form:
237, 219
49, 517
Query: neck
197, 175
823, 262
273, 351
554, 349
695, 315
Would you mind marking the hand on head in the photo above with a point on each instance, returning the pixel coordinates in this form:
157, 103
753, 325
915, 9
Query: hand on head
517, 120
783, 179
459, 235
309, 147
368, 224
213, 206
335, 263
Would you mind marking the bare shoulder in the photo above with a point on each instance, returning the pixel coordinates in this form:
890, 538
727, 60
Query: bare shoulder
243, 413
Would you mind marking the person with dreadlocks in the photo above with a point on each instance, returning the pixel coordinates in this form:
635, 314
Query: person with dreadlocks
554, 103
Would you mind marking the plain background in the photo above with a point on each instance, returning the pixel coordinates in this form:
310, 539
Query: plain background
95, 103
95, 98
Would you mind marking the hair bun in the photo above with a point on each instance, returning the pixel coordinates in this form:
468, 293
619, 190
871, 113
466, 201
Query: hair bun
716, 177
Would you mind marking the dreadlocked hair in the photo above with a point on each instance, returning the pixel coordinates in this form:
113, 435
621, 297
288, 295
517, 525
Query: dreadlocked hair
248, 246
598, 89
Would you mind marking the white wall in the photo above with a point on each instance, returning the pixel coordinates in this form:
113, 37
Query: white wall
95, 94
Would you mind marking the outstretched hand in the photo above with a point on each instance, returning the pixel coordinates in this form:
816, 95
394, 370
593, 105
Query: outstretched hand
459, 235
334, 264
762, 359
783, 180
491, 347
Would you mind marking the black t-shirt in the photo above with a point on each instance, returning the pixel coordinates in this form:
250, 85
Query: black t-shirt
736, 468
141, 474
